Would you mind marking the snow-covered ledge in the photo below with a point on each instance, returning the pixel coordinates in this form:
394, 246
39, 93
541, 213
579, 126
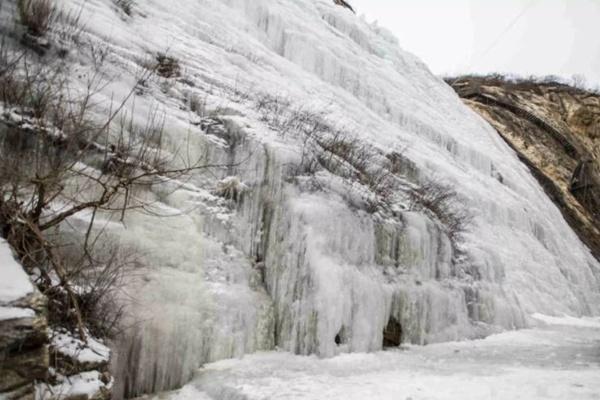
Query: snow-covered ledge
14, 282
23, 329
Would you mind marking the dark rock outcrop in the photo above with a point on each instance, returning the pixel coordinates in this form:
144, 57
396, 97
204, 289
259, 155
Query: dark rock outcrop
555, 130
23, 350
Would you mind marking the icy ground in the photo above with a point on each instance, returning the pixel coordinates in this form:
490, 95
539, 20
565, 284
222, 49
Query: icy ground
560, 359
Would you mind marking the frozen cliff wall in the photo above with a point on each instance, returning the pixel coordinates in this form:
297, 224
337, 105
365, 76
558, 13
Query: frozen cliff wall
309, 236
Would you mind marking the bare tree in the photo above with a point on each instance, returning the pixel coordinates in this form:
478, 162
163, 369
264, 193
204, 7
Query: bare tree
57, 161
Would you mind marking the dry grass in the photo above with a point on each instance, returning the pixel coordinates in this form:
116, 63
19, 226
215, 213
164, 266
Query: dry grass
167, 67
125, 5
54, 147
574, 86
36, 15
442, 202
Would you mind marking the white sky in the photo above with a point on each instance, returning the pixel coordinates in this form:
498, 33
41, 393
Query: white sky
558, 37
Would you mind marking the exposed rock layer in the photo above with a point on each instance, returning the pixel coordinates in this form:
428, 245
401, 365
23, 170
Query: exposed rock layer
555, 130
23, 351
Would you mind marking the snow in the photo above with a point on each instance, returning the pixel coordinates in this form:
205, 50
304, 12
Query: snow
568, 320
14, 282
558, 362
72, 347
302, 258
7, 313
84, 384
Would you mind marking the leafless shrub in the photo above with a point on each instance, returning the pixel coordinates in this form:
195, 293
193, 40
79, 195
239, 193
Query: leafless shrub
167, 66
442, 202
36, 15
157, 66
54, 149
576, 85
126, 6
98, 53
11, 89
28, 86
335, 149
277, 113
399, 164
68, 25
342, 148
99, 271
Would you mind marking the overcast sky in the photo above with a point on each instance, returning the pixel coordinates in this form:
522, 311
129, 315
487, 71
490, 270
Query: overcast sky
541, 37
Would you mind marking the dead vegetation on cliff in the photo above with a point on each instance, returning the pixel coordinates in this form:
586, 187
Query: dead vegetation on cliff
387, 177
63, 165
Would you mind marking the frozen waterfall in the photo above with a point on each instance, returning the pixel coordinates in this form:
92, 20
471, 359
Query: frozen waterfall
301, 260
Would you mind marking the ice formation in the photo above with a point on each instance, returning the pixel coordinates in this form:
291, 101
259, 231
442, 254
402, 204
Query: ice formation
557, 361
301, 259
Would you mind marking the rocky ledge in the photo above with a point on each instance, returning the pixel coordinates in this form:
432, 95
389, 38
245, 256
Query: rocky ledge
37, 362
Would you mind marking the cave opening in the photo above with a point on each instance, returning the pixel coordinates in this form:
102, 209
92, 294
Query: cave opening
340, 338
392, 334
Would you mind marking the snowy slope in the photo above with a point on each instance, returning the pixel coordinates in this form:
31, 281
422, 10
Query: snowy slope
300, 260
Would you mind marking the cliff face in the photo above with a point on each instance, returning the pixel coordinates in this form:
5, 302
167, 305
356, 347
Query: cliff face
555, 130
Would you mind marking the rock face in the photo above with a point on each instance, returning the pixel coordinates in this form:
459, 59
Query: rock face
23, 326
23, 353
555, 130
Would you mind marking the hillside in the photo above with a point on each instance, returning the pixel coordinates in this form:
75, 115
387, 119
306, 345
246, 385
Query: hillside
555, 129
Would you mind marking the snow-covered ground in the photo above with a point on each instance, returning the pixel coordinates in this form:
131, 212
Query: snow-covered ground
14, 285
560, 359
72, 347
85, 385
14, 282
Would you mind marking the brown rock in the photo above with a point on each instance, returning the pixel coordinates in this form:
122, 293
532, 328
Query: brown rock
555, 130
23, 349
